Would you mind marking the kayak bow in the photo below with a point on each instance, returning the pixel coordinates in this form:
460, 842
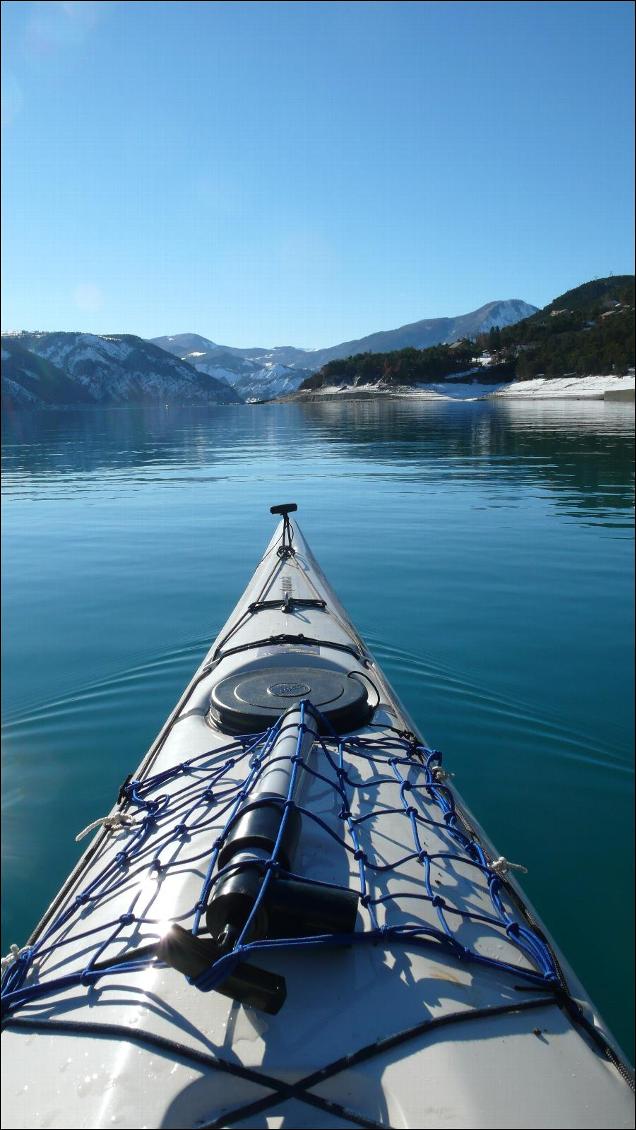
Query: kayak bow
290, 916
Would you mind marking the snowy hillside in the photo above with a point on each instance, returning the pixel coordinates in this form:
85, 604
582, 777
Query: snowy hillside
252, 378
269, 381
79, 368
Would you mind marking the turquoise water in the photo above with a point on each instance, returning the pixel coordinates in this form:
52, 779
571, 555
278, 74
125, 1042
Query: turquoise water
485, 551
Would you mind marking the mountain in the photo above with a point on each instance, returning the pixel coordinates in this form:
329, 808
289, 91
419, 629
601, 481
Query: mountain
586, 331
201, 350
255, 377
259, 373
29, 381
40, 369
430, 331
269, 382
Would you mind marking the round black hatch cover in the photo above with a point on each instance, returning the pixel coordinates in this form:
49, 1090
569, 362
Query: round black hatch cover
253, 700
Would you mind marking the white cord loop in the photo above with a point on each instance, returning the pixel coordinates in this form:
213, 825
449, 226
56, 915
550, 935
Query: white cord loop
13, 955
109, 823
502, 866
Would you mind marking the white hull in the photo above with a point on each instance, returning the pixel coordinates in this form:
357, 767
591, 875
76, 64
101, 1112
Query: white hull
103, 1054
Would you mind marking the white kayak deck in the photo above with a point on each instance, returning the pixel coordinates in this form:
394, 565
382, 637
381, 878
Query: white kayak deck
102, 1052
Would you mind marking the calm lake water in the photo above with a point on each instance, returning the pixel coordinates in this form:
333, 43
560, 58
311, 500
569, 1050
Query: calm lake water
483, 550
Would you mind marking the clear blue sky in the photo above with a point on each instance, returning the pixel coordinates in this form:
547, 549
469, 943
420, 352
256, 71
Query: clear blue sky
304, 173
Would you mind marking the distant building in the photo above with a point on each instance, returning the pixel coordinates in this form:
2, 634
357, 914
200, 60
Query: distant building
483, 359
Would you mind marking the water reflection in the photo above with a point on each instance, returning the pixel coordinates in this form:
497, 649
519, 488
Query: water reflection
582, 451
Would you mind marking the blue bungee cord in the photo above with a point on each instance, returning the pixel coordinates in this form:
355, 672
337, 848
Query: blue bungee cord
211, 792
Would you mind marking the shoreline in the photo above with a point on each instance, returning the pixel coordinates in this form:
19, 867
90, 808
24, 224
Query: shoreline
617, 389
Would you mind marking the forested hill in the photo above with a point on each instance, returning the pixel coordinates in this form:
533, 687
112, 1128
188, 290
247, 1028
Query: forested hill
588, 330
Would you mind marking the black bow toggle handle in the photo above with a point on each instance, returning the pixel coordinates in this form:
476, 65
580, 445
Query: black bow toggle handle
285, 509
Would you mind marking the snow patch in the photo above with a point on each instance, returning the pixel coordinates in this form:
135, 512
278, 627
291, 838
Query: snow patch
565, 388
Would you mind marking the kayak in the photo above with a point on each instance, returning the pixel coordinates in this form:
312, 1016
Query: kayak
289, 917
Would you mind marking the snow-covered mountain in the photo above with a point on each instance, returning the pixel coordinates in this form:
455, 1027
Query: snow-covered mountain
269, 381
78, 368
30, 381
252, 378
259, 373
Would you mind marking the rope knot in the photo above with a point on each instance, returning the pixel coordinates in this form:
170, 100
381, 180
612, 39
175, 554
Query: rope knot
359, 854
108, 823
15, 955
502, 866
127, 918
